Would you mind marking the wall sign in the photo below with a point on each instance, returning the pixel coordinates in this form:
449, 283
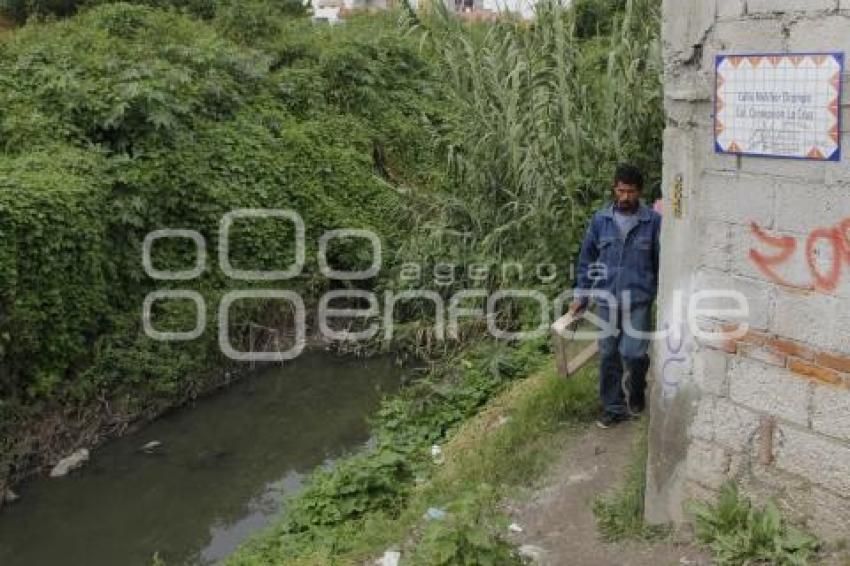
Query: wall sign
779, 105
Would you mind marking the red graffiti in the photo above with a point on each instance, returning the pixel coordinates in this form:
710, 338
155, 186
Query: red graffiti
786, 245
837, 239
844, 236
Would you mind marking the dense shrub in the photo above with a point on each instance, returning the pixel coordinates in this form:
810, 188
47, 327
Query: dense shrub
53, 264
482, 144
596, 17
126, 119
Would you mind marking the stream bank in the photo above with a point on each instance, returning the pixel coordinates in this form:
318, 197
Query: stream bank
221, 471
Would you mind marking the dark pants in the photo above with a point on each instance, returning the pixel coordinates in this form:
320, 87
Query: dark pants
620, 352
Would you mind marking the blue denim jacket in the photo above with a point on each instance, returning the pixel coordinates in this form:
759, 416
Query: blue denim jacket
630, 265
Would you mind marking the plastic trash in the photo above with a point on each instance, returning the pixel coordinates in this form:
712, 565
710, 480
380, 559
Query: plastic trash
532, 553
390, 558
151, 446
70, 463
437, 454
435, 514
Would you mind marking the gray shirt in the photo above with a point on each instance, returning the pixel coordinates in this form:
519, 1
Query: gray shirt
625, 222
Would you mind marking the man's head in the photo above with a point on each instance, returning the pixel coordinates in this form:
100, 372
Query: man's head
628, 185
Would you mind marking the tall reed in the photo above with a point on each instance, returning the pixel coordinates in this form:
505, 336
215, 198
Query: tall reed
541, 118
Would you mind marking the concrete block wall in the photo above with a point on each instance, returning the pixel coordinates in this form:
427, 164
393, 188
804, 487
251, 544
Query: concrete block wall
771, 409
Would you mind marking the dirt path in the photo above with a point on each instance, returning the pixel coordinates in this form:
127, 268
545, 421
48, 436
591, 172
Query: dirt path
558, 518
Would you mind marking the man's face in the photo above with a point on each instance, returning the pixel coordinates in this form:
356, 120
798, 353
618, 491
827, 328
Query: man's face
626, 197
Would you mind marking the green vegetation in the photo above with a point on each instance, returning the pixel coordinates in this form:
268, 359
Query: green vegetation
619, 515
470, 533
332, 511
21, 10
487, 457
462, 144
596, 17
545, 115
127, 119
737, 532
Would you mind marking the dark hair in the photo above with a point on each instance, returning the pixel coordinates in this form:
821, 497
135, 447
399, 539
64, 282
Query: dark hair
629, 174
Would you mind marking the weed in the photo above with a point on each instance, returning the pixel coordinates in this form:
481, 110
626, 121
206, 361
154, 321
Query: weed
737, 532
468, 535
507, 444
619, 516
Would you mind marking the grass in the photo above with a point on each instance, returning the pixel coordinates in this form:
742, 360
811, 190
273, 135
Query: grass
619, 515
532, 411
507, 445
737, 532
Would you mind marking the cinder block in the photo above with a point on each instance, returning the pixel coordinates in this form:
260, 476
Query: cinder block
684, 25
707, 464
838, 173
753, 337
706, 158
810, 317
702, 427
716, 245
842, 291
676, 155
806, 171
830, 515
694, 492
737, 199
679, 114
845, 117
822, 461
742, 241
743, 36
769, 389
730, 9
734, 426
688, 85
785, 6
820, 34
757, 294
714, 338
831, 412
762, 354
791, 493
840, 342
710, 368
804, 207
713, 161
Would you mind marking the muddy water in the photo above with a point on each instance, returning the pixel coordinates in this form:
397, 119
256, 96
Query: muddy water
220, 474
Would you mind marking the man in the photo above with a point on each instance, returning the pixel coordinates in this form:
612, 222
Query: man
618, 265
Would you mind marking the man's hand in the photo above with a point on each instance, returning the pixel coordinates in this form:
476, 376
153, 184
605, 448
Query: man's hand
577, 307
